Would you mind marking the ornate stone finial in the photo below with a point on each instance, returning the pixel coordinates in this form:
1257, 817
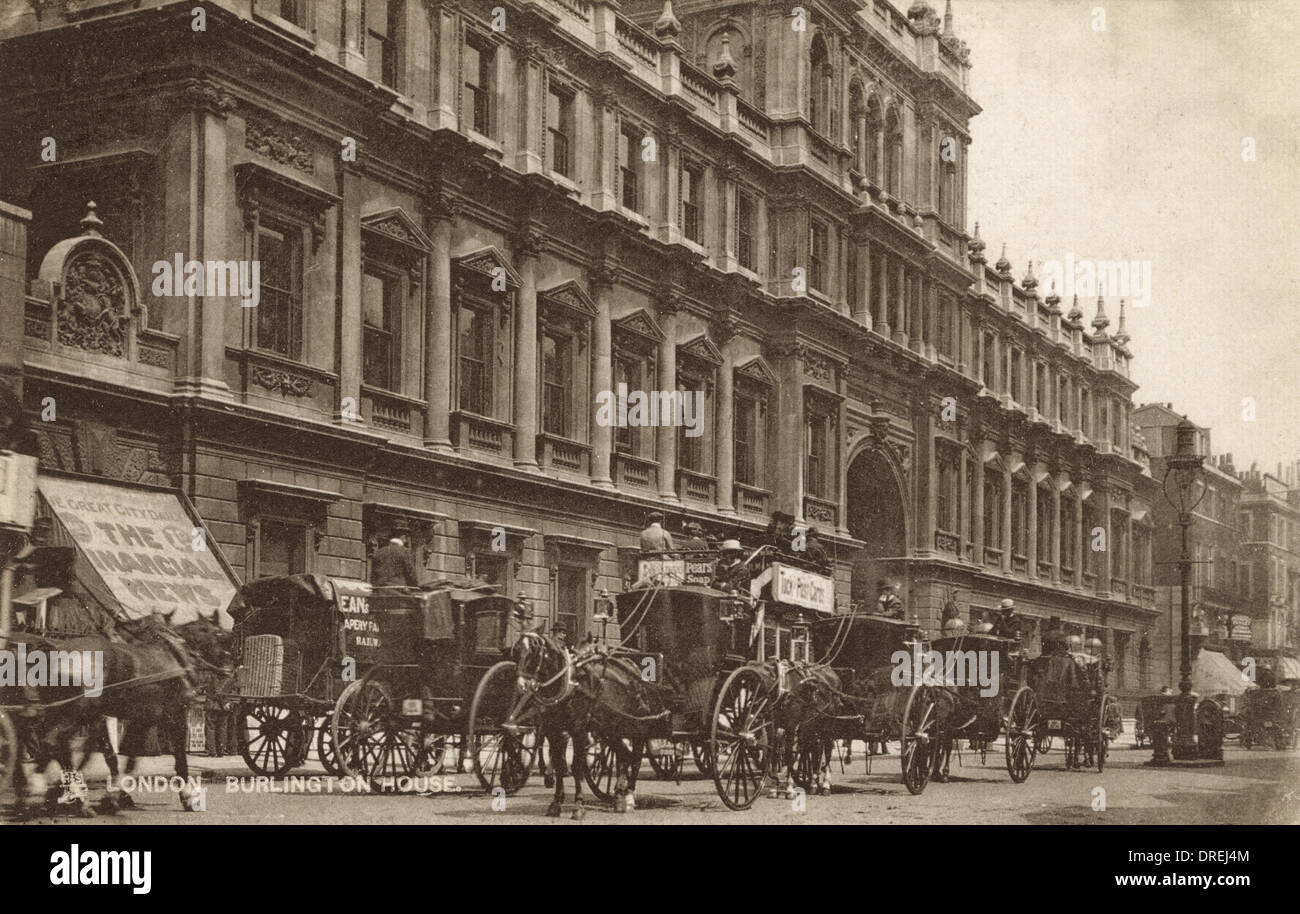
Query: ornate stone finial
90, 223
976, 245
1121, 335
667, 26
947, 18
1053, 300
1030, 282
725, 68
1101, 321
1076, 313
1003, 266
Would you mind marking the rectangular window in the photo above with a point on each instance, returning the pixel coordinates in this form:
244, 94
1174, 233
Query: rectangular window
627, 376
294, 11
1040, 388
988, 363
629, 159
1062, 394
692, 198
1019, 522
382, 22
745, 447
475, 352
557, 383
559, 124
816, 451
817, 251
491, 569
282, 549
992, 515
1015, 379
278, 318
571, 601
947, 344
380, 309
746, 230
478, 66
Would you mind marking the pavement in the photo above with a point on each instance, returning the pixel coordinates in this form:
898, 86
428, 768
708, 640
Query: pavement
1259, 786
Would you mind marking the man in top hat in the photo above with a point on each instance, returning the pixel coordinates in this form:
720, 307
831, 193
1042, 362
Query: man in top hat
391, 564
889, 603
814, 551
780, 530
694, 540
654, 538
1006, 625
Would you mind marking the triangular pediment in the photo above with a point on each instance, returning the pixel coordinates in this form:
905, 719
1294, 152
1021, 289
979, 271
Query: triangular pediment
640, 323
394, 223
757, 369
702, 348
569, 295
484, 262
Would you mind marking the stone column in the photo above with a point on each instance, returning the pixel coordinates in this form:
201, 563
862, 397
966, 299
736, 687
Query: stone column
1006, 515
862, 307
528, 97
964, 506
788, 483
725, 438
900, 309
602, 373
1128, 553
1056, 531
879, 176
437, 348
864, 140
347, 407
1103, 573
605, 155
1080, 532
526, 254
666, 435
977, 510
1031, 546
917, 322
882, 298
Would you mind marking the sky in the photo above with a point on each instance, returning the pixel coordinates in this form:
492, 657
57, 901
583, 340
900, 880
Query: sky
1124, 131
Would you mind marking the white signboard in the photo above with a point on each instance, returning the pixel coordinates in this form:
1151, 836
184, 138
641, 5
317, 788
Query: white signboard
802, 588
673, 572
145, 547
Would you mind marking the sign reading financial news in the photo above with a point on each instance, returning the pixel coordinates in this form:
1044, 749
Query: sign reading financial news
145, 547
802, 588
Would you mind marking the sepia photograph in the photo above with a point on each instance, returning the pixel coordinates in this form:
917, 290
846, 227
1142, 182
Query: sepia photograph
649, 412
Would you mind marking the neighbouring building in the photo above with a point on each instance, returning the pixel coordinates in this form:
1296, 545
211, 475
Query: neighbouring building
471, 218
1270, 535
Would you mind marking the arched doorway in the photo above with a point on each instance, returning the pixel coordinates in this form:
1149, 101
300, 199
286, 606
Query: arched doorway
877, 516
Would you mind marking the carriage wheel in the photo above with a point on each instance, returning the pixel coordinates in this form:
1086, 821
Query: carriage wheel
601, 770
1103, 737
668, 768
270, 738
703, 757
740, 738
371, 740
1022, 720
808, 759
10, 756
917, 740
502, 731
329, 759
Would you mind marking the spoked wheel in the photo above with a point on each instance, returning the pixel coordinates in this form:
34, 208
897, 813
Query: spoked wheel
601, 770
502, 735
271, 738
810, 754
1022, 720
703, 757
668, 767
329, 759
741, 738
10, 755
1103, 736
371, 738
918, 741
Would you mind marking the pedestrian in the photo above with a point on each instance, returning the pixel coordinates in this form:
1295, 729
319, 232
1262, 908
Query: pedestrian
391, 565
654, 538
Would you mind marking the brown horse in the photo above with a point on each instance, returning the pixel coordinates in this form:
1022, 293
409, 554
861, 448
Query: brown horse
146, 683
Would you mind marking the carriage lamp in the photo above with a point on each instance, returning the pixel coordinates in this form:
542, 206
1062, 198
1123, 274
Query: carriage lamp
1184, 487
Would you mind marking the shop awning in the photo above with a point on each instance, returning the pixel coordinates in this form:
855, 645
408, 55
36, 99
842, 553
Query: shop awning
140, 549
1214, 674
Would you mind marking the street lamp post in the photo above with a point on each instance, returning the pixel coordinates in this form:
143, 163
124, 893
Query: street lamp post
1184, 487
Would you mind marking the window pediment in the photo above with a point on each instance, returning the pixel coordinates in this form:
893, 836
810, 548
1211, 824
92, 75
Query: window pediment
640, 327
701, 351
570, 297
758, 371
395, 231
484, 263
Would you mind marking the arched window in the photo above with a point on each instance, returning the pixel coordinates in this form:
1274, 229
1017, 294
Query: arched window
819, 85
874, 125
857, 126
893, 154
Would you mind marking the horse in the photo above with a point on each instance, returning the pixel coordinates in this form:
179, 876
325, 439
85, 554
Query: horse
540, 660
148, 682
806, 714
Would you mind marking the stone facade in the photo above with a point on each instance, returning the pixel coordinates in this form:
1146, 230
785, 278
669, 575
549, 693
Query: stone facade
541, 206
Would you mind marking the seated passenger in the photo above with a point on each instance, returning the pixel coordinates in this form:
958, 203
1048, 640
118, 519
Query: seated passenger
889, 603
731, 572
694, 540
654, 538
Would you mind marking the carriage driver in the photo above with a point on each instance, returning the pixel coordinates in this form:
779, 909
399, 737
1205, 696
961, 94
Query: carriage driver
731, 572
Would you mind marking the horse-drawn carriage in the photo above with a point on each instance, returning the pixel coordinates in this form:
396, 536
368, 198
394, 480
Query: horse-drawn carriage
1271, 716
1073, 704
381, 677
